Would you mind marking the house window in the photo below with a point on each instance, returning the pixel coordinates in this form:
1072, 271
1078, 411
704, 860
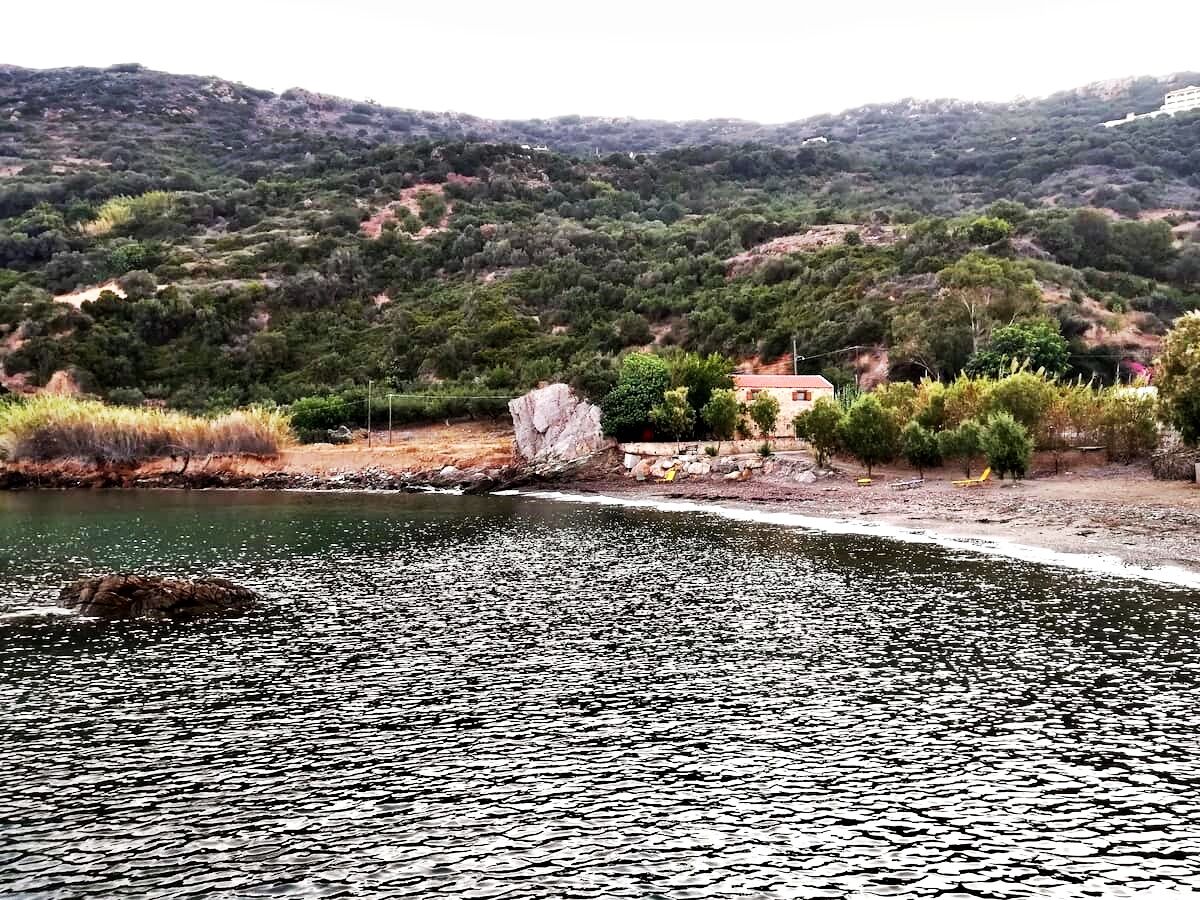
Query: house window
802, 395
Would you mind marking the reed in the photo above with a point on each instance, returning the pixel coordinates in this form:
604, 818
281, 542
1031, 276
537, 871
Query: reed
47, 427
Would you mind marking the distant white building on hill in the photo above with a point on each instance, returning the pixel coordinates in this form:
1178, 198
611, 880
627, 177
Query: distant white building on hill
1182, 100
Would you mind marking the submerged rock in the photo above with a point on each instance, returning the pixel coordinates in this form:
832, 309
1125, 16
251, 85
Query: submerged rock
552, 423
150, 597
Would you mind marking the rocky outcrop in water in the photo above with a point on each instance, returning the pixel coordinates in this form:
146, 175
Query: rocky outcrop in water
149, 597
551, 423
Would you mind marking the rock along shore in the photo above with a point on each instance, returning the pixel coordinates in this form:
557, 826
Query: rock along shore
73, 475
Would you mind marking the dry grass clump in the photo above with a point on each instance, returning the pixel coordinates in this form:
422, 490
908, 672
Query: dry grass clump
118, 212
46, 427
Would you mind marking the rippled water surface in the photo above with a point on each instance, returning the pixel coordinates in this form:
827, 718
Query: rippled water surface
504, 697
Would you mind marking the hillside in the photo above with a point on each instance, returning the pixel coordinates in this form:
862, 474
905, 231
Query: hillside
204, 244
1040, 148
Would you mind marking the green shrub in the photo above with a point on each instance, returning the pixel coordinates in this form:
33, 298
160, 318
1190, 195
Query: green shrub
721, 413
643, 380
919, 446
1025, 396
1008, 446
1130, 423
318, 414
963, 443
673, 416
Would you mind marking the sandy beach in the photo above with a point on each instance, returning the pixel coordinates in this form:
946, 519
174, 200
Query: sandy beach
1091, 508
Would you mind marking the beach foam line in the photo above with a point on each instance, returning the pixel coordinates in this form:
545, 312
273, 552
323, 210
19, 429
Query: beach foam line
1097, 564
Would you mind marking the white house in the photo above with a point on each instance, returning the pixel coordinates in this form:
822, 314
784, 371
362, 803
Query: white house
1175, 102
795, 394
1182, 100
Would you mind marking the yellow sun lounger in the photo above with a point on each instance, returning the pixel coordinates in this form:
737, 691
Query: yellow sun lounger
971, 482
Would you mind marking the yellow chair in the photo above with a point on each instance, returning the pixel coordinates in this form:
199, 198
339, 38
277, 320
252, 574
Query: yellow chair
972, 482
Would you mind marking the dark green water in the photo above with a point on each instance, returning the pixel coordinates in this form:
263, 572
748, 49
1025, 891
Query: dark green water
505, 697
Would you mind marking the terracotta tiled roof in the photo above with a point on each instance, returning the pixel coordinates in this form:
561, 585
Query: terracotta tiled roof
781, 381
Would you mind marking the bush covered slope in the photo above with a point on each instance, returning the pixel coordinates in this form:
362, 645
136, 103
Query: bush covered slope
242, 247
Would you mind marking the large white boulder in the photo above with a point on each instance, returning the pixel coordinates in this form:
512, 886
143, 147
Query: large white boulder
553, 423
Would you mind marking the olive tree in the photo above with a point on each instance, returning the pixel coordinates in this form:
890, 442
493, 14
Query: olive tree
963, 443
919, 446
673, 415
869, 432
821, 426
721, 414
764, 413
1008, 446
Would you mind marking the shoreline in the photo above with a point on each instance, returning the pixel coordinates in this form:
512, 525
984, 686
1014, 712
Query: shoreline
980, 543
1114, 519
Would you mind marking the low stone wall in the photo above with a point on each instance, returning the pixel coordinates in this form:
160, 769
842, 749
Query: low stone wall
728, 448
801, 469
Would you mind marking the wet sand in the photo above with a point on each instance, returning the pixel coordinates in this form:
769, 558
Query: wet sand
1102, 510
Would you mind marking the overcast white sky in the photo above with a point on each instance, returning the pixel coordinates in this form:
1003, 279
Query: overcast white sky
651, 58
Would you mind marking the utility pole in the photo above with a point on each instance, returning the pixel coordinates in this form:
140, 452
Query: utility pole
795, 361
389, 420
368, 413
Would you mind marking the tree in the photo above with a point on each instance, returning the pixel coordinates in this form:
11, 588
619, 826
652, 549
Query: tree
931, 405
1185, 271
967, 398
869, 432
633, 330
674, 416
1146, 248
934, 335
821, 426
919, 446
764, 413
1040, 345
643, 379
963, 443
989, 290
988, 230
1008, 446
433, 207
701, 375
899, 398
1177, 376
1025, 396
138, 285
721, 413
